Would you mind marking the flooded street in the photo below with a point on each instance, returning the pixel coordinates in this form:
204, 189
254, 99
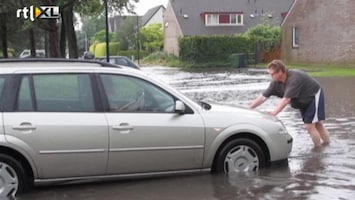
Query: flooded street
328, 173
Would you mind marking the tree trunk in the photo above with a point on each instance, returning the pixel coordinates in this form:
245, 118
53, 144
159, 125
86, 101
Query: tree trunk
51, 27
63, 38
3, 34
32, 42
70, 32
53, 38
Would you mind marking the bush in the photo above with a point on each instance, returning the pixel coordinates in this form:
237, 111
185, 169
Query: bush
203, 49
216, 50
99, 49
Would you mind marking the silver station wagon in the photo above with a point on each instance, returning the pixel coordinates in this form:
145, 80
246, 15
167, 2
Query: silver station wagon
64, 120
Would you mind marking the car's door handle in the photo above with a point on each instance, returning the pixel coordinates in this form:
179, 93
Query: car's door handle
122, 127
25, 126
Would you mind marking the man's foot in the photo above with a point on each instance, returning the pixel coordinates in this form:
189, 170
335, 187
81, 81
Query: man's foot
325, 143
317, 149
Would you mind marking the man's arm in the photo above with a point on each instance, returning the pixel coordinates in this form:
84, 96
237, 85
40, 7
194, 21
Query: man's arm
281, 106
259, 100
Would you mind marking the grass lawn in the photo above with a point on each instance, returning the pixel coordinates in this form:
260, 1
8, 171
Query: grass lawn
312, 69
323, 70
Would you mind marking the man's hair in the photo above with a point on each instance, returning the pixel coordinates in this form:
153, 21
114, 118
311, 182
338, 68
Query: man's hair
277, 65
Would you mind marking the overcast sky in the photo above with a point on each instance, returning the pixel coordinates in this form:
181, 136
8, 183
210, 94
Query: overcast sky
144, 5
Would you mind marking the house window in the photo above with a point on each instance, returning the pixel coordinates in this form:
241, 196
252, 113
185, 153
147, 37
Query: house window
224, 19
295, 37
212, 19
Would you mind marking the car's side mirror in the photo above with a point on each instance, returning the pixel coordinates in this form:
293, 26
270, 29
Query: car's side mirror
179, 107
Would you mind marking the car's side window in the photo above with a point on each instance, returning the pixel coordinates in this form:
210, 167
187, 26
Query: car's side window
57, 93
130, 94
2, 85
24, 101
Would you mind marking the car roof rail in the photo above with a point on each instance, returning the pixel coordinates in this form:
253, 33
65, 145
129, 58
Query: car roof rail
103, 64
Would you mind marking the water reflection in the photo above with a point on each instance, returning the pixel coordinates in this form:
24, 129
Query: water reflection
266, 184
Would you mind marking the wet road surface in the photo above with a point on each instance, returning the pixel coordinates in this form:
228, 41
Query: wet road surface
328, 173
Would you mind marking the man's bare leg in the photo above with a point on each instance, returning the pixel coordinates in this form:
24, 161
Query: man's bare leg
323, 132
312, 130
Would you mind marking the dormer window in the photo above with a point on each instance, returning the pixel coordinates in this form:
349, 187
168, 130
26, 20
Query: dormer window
223, 19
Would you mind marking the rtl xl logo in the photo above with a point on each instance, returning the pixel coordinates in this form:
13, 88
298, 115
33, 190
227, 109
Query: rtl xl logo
34, 12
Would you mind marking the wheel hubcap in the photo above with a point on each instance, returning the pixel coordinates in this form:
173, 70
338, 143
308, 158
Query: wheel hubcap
8, 181
241, 159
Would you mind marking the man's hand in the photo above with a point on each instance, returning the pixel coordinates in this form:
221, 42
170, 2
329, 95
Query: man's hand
259, 100
281, 106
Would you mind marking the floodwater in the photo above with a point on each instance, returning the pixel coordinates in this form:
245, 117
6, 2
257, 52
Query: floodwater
328, 173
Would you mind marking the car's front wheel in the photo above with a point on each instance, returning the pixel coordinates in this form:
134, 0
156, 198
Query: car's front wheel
240, 155
13, 178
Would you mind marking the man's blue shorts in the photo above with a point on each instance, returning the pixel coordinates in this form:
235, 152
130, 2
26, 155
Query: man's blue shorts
315, 111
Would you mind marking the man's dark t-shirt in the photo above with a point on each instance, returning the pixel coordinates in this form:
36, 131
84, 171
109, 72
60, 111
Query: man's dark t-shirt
299, 86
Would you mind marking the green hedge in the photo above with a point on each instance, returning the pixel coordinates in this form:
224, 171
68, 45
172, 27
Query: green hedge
202, 49
99, 50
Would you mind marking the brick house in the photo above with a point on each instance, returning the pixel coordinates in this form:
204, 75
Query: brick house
224, 17
153, 16
319, 31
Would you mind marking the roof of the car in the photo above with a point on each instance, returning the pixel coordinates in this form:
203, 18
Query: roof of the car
53, 62
57, 64
114, 57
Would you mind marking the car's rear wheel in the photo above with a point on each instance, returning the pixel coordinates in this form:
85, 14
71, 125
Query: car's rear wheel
13, 179
240, 155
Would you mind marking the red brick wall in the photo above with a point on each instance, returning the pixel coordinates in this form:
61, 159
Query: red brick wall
327, 32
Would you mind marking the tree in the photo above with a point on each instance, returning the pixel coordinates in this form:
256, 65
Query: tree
14, 31
88, 7
90, 26
101, 36
152, 37
7, 25
121, 6
267, 40
264, 32
3, 30
56, 43
127, 33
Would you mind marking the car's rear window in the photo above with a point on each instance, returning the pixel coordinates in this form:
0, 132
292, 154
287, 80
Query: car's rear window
56, 93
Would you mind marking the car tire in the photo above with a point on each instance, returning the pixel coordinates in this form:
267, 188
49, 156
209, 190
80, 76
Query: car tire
240, 155
13, 179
